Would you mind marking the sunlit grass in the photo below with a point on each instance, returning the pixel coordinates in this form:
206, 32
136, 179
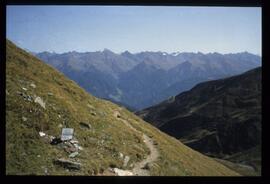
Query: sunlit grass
66, 106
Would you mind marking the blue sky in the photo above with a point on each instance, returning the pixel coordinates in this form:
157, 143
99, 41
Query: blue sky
135, 28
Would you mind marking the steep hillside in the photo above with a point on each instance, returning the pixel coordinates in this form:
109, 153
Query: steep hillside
219, 118
108, 139
144, 79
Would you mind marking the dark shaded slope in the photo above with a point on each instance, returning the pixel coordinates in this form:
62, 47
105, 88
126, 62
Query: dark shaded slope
219, 118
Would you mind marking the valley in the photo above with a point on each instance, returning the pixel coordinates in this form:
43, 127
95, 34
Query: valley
112, 89
219, 118
141, 80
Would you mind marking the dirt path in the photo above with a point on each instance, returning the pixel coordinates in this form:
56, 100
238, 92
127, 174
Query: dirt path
137, 170
138, 167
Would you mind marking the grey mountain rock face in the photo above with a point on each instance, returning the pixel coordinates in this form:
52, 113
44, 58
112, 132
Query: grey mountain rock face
147, 78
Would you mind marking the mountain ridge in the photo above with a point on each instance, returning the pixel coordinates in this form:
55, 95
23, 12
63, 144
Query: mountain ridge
164, 74
174, 53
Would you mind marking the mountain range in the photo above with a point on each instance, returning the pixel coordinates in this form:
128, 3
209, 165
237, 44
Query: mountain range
220, 118
144, 79
107, 139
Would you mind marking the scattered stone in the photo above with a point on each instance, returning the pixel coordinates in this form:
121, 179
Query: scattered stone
26, 97
40, 102
50, 94
85, 125
25, 89
74, 142
29, 98
70, 149
68, 144
51, 138
60, 125
74, 154
147, 166
61, 145
33, 85
121, 155
93, 113
24, 118
126, 159
68, 164
19, 93
59, 116
42, 134
38, 156
90, 106
121, 172
7, 92
46, 171
76, 146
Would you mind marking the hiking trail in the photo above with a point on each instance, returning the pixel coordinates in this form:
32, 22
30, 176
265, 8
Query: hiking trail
138, 169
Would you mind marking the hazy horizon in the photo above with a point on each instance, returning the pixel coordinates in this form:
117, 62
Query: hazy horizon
142, 52
135, 29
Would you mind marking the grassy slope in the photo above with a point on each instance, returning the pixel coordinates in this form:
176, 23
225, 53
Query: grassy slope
244, 170
27, 153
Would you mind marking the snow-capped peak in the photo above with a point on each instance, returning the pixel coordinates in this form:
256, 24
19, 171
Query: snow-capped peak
175, 53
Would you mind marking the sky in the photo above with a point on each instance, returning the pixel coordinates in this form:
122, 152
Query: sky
135, 28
